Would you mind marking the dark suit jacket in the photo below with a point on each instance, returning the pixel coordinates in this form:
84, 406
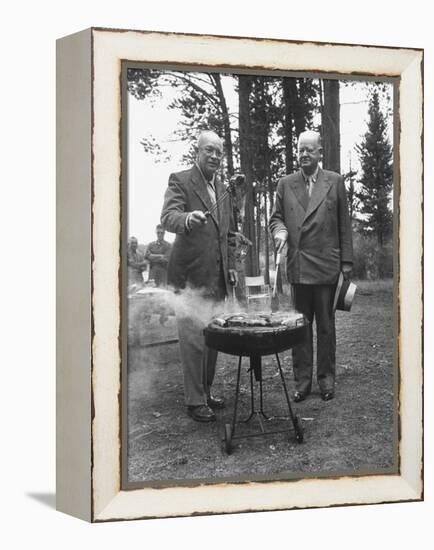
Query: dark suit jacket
198, 256
319, 228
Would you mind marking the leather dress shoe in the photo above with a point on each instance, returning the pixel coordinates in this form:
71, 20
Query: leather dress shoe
201, 413
327, 395
216, 402
299, 396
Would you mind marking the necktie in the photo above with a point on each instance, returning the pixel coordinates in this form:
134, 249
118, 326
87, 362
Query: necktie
211, 191
309, 185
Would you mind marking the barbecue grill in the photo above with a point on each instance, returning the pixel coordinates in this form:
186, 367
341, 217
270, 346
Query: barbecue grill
255, 335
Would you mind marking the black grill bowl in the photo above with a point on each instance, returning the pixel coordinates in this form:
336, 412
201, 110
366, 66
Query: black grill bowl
253, 341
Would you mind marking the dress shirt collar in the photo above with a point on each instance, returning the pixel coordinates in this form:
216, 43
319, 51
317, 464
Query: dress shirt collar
313, 177
208, 182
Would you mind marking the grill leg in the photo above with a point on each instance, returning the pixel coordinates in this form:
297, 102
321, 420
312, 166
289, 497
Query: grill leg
261, 402
252, 397
237, 393
256, 369
294, 419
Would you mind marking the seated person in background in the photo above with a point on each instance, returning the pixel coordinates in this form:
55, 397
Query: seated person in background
157, 254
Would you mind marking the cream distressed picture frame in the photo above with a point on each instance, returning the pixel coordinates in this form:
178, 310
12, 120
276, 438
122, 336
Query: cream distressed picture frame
89, 160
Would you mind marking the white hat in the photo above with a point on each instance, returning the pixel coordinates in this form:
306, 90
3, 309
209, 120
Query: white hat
344, 295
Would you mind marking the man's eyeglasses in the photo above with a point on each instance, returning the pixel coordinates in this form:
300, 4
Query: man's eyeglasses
308, 150
211, 151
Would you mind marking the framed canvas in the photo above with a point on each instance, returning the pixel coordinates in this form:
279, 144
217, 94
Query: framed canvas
130, 108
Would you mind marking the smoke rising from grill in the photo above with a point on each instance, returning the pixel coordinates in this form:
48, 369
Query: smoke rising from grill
194, 303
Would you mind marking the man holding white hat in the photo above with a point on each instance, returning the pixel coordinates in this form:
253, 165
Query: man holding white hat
311, 216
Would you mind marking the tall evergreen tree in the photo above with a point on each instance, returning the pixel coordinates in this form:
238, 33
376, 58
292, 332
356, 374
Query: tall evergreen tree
245, 83
376, 181
299, 102
331, 126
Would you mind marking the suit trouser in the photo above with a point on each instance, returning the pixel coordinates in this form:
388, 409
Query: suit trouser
193, 314
159, 274
198, 361
316, 302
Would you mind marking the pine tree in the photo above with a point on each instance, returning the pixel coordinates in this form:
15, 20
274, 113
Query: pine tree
331, 126
245, 83
376, 181
300, 99
200, 102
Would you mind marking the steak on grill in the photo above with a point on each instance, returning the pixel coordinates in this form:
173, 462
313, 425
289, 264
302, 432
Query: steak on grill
252, 320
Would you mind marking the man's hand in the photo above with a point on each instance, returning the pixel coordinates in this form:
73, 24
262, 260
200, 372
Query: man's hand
196, 218
233, 277
279, 240
346, 270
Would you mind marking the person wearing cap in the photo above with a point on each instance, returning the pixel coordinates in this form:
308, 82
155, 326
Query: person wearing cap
311, 216
201, 266
157, 254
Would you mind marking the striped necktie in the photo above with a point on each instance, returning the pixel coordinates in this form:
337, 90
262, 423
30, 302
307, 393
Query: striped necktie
211, 191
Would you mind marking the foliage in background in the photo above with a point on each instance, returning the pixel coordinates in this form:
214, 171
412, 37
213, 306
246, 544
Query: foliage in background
371, 261
376, 181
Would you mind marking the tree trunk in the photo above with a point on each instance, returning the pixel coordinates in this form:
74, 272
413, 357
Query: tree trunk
226, 123
266, 240
331, 126
298, 109
258, 227
321, 107
351, 199
244, 89
288, 98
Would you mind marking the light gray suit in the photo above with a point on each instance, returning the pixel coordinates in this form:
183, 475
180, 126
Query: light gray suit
199, 263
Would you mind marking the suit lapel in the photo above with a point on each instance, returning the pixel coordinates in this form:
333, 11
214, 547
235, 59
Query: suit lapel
219, 190
320, 190
298, 187
200, 188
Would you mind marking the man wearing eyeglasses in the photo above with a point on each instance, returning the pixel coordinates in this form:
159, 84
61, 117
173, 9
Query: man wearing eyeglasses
311, 216
201, 266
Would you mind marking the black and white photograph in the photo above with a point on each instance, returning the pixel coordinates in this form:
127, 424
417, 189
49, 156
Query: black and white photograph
259, 261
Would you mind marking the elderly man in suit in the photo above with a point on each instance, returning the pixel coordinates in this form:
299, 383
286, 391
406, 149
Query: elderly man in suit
311, 216
201, 266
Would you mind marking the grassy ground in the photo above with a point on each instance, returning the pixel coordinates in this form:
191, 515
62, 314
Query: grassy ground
354, 434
